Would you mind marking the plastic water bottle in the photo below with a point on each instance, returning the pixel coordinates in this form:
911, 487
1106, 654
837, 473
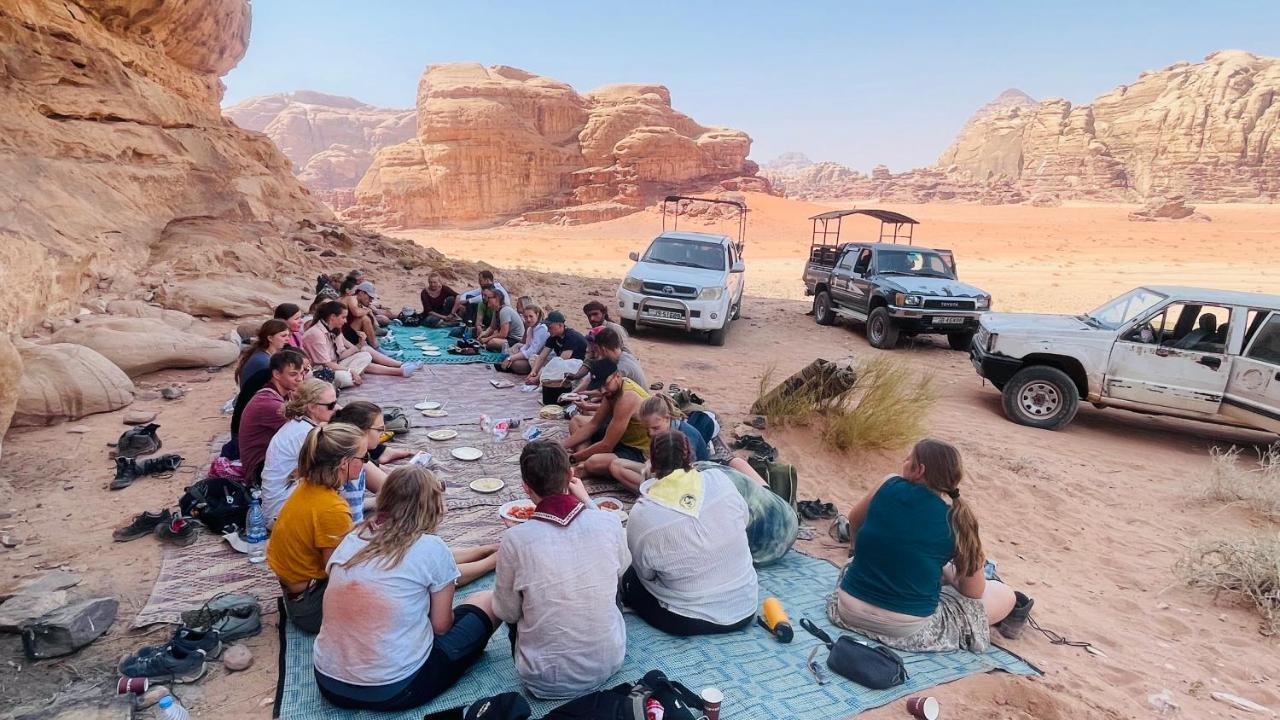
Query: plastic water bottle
170, 709
256, 529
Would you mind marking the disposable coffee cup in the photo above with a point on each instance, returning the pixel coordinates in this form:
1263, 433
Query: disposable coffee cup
924, 708
711, 699
135, 685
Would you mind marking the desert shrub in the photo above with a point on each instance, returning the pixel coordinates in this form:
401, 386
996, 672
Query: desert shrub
1255, 485
1243, 570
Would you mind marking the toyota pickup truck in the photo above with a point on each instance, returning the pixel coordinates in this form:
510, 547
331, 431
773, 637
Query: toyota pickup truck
895, 289
1210, 355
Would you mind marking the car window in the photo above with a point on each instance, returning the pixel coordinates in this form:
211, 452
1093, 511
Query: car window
688, 253
1186, 326
848, 260
864, 262
913, 262
1116, 313
1253, 320
1266, 343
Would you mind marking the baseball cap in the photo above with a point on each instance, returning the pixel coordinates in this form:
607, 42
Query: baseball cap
367, 287
601, 370
555, 316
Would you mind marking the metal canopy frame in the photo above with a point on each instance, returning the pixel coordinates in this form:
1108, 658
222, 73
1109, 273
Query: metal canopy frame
741, 207
893, 226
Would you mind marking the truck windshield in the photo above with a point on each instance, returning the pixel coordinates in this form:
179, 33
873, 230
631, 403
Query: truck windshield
687, 253
913, 262
1116, 313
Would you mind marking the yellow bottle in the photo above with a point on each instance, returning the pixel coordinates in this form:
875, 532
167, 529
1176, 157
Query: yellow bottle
775, 620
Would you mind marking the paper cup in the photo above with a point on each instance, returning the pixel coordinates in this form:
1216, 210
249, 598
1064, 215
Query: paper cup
134, 685
711, 700
924, 708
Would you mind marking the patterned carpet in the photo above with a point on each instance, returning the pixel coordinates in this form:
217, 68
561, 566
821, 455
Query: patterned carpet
465, 391
191, 575
434, 336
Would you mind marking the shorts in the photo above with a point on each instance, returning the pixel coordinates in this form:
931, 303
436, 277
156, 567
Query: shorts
626, 452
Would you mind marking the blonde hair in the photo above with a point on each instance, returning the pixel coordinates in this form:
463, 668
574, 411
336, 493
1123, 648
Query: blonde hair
660, 405
324, 452
307, 394
410, 505
943, 471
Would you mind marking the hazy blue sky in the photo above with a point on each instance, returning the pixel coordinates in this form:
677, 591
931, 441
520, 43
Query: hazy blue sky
860, 83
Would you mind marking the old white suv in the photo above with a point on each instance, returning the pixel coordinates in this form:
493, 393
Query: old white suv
1208, 355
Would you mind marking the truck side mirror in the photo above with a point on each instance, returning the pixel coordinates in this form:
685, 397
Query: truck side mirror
635, 256
738, 267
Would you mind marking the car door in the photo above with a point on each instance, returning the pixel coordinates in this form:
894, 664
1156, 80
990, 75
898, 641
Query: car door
1172, 358
1253, 391
861, 288
842, 276
736, 276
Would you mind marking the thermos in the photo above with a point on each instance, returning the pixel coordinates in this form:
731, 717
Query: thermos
774, 619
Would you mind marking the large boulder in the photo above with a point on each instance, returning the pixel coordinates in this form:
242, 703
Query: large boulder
144, 345
10, 374
222, 297
139, 309
63, 382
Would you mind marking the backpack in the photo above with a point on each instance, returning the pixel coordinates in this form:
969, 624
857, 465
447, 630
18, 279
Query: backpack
507, 706
626, 701
781, 477
219, 503
394, 420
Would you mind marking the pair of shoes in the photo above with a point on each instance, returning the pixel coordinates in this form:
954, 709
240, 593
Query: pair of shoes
1011, 627
816, 509
231, 615
166, 663
128, 469
758, 446
143, 524
179, 530
409, 368
189, 641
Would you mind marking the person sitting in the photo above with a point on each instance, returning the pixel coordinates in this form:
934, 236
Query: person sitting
608, 345
437, 302
659, 414
291, 314
691, 571
520, 357
615, 430
327, 347
562, 341
311, 406
368, 417
273, 335
505, 328
250, 384
360, 323
392, 638
598, 316
314, 520
264, 414
1207, 327
916, 579
470, 306
557, 582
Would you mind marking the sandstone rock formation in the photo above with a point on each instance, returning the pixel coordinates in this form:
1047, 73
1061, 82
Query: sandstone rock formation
499, 141
67, 382
1167, 208
10, 376
141, 345
140, 309
828, 180
229, 298
330, 140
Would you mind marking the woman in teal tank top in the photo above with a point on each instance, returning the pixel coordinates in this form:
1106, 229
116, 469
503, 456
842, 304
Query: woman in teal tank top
916, 579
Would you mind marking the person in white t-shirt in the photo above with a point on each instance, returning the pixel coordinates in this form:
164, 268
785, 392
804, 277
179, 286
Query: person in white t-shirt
310, 406
391, 638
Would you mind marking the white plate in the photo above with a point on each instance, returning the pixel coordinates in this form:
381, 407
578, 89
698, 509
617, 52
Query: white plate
431, 353
487, 485
620, 512
504, 511
467, 453
436, 413
417, 338
445, 434
427, 405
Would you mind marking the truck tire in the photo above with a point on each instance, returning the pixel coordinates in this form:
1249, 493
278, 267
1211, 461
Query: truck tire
1041, 397
628, 325
960, 341
823, 313
717, 337
881, 332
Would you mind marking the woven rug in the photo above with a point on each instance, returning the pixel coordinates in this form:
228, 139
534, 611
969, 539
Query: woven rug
465, 391
760, 677
401, 342
191, 575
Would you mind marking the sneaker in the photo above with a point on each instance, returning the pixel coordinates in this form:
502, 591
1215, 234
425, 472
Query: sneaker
179, 531
143, 524
409, 368
233, 616
208, 642
172, 664
1012, 626
158, 465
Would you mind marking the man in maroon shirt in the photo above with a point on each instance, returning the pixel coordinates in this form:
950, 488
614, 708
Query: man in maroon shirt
264, 414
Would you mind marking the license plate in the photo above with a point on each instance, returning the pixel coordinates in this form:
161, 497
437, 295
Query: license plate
667, 314
948, 321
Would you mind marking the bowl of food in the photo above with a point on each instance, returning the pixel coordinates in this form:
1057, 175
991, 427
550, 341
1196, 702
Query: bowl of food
516, 511
613, 505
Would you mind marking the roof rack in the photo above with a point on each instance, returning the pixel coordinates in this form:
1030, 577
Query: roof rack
893, 226
675, 222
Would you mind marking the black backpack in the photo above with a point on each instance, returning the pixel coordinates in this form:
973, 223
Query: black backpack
626, 701
219, 503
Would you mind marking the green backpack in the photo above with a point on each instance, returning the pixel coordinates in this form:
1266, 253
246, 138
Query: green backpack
781, 477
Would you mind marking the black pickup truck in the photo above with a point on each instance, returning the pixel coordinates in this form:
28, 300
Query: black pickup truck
896, 289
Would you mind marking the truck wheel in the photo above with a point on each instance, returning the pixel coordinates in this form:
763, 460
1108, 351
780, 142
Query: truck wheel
881, 332
960, 341
1041, 397
628, 325
717, 337
823, 314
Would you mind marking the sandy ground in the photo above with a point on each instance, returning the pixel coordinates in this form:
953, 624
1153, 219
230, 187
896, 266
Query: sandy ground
1089, 521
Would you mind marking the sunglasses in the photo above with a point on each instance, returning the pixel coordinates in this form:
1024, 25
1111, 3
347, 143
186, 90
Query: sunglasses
328, 405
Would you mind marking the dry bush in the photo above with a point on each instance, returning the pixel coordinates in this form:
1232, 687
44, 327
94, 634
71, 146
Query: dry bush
1247, 570
1256, 486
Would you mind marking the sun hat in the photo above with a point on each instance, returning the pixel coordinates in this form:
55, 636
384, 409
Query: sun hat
368, 288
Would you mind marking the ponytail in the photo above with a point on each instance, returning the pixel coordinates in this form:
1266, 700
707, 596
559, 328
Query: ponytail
943, 471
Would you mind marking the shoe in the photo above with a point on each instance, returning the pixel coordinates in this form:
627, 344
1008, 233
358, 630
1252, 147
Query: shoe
839, 529
232, 616
143, 524
179, 531
126, 473
815, 509
1012, 626
409, 368
172, 664
206, 642
158, 465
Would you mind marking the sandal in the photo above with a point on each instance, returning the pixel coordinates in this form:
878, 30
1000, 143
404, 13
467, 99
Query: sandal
816, 510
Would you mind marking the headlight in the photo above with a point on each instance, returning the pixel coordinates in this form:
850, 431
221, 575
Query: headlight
991, 341
711, 293
983, 303
632, 283
901, 299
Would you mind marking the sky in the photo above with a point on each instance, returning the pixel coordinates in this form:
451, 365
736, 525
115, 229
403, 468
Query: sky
860, 83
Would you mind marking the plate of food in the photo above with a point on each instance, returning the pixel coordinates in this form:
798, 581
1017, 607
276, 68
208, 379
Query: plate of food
487, 485
613, 505
551, 412
467, 453
417, 338
443, 434
571, 397
435, 413
516, 511
427, 405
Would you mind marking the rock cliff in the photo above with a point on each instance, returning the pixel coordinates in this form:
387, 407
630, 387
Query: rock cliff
330, 140
498, 141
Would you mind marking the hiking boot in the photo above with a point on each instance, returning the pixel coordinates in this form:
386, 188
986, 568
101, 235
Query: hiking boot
144, 523
158, 465
1011, 627
171, 664
140, 440
179, 531
232, 616
207, 642
126, 473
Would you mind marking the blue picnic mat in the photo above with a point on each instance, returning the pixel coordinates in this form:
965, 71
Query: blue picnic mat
410, 352
761, 677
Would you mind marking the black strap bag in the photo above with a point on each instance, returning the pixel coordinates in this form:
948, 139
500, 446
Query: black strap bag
220, 504
626, 701
878, 668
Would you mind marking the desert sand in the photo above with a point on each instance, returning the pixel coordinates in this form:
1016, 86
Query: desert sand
1089, 521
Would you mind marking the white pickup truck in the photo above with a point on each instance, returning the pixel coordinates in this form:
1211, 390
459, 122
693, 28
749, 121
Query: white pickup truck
1209, 355
692, 281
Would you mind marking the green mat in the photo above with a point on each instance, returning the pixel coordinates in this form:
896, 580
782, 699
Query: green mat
410, 352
